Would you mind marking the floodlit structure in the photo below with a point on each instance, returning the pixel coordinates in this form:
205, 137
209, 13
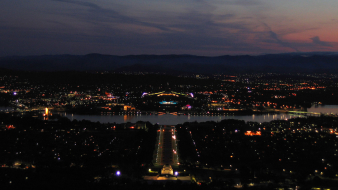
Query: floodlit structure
250, 133
167, 170
168, 101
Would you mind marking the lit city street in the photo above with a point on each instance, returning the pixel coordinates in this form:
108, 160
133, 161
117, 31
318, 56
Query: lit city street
167, 147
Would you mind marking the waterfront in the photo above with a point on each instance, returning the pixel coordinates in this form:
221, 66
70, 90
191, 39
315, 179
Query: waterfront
168, 119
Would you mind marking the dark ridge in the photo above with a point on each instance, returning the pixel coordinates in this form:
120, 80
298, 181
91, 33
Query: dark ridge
316, 62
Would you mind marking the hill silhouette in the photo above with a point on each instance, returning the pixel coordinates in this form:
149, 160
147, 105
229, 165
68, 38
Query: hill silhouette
276, 63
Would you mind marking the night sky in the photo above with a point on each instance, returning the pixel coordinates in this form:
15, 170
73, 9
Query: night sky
198, 27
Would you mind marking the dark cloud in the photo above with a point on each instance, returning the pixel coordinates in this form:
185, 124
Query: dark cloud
98, 14
192, 31
200, 27
276, 39
196, 29
87, 4
316, 40
243, 2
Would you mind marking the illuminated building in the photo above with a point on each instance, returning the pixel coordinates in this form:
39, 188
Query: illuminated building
167, 170
250, 133
219, 102
128, 108
168, 101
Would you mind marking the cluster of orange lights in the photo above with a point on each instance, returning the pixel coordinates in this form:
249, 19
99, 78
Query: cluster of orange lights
10, 127
296, 88
229, 80
250, 133
168, 95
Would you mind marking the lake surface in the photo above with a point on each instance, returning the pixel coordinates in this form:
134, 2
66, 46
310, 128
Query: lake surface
168, 119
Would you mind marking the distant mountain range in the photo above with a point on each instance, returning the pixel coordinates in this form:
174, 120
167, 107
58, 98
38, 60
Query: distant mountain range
315, 62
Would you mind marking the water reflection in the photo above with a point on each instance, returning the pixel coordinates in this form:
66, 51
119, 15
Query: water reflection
168, 119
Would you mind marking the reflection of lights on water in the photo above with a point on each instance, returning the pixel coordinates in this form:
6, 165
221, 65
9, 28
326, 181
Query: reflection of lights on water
172, 119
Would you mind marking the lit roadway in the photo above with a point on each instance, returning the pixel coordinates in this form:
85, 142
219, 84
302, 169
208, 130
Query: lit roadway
166, 153
166, 146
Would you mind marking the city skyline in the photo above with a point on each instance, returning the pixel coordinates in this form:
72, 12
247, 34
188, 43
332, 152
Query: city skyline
197, 27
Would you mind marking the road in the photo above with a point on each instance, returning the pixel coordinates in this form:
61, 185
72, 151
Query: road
166, 146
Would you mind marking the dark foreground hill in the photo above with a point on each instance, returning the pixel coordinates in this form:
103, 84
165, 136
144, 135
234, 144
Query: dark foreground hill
276, 63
